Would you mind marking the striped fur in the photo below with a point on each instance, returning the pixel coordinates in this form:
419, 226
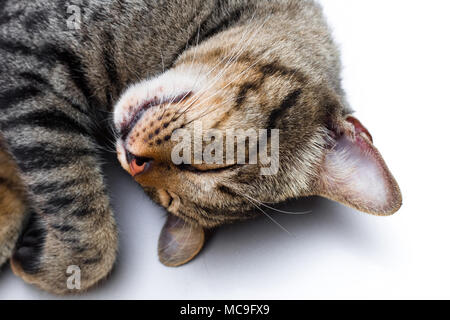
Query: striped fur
58, 89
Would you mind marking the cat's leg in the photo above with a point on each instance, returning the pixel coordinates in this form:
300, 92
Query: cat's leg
12, 206
72, 227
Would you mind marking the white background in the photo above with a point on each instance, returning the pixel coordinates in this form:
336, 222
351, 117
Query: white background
396, 72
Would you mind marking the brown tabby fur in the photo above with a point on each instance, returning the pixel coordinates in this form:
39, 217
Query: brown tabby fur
285, 75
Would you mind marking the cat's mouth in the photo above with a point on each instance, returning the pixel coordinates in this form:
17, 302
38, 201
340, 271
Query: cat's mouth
127, 126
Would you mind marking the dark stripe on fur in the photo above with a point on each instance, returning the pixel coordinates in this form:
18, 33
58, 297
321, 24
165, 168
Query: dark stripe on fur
15, 47
232, 18
228, 191
82, 208
48, 119
70, 241
45, 157
60, 202
77, 74
205, 31
35, 20
39, 79
7, 17
85, 210
195, 36
52, 187
63, 228
243, 90
287, 103
271, 69
93, 260
2, 7
81, 211
52, 53
215, 216
210, 215
111, 68
11, 97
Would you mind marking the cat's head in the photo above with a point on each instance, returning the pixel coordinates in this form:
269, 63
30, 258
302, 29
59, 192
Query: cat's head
267, 82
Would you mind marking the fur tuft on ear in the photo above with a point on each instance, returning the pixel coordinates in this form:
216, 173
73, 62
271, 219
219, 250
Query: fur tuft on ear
355, 174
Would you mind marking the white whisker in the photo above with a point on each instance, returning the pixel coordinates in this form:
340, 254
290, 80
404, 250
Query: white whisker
231, 56
278, 210
272, 219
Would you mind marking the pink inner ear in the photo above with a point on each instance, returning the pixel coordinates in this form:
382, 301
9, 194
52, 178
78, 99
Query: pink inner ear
355, 174
359, 128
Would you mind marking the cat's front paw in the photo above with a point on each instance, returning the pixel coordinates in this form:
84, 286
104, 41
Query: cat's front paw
55, 260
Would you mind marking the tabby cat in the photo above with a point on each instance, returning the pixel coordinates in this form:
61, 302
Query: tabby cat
72, 69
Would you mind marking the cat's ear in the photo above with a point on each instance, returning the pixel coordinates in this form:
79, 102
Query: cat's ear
179, 242
354, 172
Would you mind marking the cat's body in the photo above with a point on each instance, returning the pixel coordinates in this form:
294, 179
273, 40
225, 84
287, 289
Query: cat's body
269, 64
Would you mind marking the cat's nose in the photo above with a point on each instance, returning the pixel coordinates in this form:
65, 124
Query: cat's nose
138, 165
